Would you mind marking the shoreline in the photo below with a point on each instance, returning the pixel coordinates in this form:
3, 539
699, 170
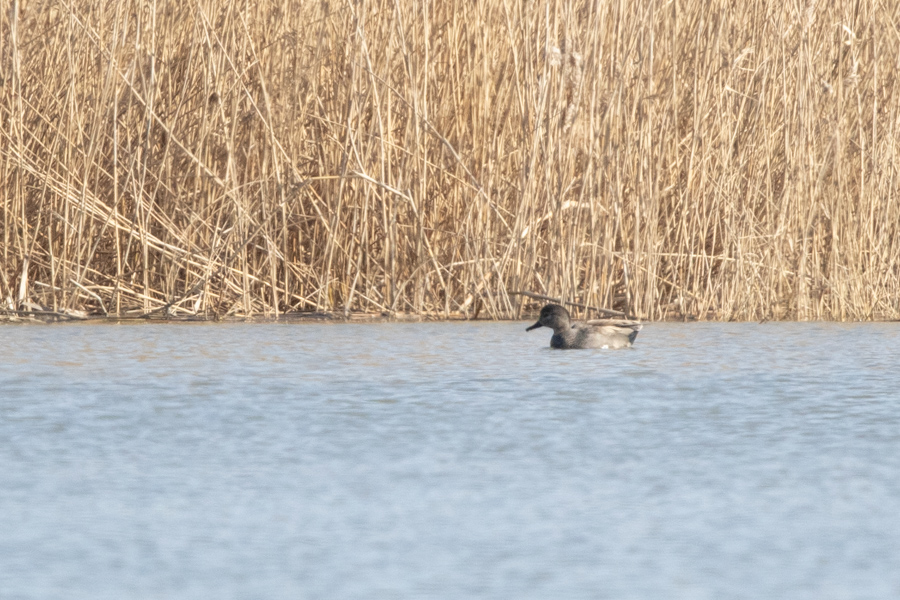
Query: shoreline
50, 317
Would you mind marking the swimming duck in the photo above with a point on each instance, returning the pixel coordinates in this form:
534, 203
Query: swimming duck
606, 333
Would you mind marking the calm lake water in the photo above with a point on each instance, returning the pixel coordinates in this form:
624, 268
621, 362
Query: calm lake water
448, 460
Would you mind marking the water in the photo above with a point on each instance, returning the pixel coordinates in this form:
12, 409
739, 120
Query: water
448, 460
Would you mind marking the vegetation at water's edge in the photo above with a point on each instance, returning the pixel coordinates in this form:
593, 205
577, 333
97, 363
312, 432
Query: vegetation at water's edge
673, 158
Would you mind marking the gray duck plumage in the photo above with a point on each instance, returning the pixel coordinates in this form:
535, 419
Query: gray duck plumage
606, 333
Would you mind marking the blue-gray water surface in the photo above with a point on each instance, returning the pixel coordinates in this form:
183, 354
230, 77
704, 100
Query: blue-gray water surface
448, 460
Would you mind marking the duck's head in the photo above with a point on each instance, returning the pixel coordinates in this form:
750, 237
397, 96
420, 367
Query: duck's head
553, 316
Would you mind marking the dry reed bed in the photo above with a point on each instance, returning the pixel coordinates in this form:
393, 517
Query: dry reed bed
667, 158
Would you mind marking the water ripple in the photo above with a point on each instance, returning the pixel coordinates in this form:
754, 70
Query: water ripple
448, 460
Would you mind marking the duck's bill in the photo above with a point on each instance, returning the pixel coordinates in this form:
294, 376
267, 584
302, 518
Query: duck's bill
535, 326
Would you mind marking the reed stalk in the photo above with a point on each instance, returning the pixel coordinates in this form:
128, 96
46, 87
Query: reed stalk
709, 160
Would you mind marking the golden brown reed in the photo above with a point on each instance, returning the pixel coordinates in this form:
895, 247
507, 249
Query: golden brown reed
726, 160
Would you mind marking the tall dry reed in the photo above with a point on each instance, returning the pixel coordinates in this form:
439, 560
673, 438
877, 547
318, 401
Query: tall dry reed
667, 158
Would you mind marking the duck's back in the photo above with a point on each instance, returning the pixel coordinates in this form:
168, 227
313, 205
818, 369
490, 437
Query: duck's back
598, 334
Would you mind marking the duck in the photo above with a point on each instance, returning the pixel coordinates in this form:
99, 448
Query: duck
604, 333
